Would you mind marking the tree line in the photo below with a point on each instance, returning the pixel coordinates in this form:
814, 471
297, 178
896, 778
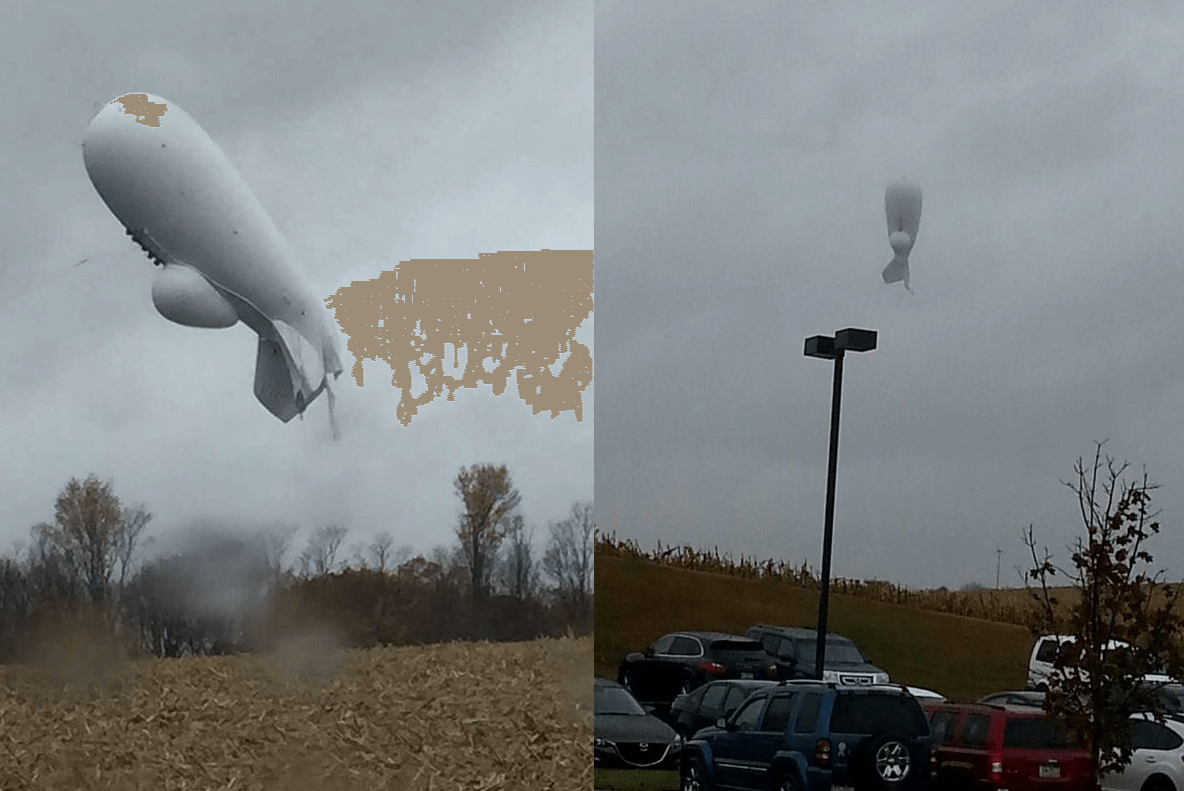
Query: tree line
228, 591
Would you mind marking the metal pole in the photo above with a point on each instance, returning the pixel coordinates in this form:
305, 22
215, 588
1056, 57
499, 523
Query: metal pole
828, 530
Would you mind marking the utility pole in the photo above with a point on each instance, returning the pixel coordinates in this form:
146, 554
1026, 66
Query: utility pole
998, 558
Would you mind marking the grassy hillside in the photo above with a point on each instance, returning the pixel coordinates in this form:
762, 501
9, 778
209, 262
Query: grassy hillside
963, 658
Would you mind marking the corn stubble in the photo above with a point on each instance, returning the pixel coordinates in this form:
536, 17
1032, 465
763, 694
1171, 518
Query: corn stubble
305, 715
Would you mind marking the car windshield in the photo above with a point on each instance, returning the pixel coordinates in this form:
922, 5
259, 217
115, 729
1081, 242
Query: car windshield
837, 651
614, 700
1036, 733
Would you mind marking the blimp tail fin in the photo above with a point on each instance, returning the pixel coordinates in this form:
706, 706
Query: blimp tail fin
897, 270
273, 380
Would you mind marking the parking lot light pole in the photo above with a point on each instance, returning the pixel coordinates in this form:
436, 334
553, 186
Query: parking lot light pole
828, 348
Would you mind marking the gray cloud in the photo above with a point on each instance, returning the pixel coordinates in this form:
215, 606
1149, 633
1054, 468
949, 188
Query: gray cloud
741, 161
372, 133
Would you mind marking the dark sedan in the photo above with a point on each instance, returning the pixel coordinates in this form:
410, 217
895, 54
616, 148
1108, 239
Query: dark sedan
682, 661
703, 706
628, 737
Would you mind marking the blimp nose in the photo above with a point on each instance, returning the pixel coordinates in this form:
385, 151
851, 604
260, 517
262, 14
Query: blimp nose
901, 242
142, 108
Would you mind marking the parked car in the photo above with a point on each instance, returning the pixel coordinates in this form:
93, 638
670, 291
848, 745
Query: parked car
794, 650
703, 706
626, 735
988, 747
1044, 652
813, 736
1020, 697
926, 697
1157, 763
682, 661
1171, 696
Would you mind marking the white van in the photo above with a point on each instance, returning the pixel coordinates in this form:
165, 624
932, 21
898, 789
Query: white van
1044, 652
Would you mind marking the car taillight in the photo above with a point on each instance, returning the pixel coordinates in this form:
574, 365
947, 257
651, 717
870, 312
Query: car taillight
713, 667
996, 764
822, 752
771, 671
933, 757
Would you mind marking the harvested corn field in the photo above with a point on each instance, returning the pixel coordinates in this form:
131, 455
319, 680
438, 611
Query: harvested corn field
304, 716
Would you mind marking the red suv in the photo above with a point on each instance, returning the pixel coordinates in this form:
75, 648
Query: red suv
1018, 748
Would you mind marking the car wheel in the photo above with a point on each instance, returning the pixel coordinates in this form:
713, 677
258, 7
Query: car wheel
1158, 784
787, 783
947, 782
693, 776
886, 761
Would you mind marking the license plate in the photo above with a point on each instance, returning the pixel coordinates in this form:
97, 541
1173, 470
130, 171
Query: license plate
842, 788
1050, 771
746, 675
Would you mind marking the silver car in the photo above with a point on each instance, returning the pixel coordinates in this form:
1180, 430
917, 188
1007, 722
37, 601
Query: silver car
1157, 763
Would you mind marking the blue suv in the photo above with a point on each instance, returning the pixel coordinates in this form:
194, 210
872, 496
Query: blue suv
814, 736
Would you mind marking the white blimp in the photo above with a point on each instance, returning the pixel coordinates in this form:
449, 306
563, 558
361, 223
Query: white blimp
902, 204
222, 259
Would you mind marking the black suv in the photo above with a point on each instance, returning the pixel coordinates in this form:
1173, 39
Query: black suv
681, 661
793, 649
814, 736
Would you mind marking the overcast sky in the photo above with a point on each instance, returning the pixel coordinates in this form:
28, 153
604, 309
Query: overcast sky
742, 152
373, 133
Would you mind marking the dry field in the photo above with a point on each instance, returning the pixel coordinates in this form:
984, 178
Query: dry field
304, 716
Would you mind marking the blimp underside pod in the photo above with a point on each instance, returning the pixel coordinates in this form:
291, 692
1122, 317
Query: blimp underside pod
183, 296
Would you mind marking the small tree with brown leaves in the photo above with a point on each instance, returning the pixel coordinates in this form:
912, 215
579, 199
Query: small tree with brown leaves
489, 500
1122, 624
94, 532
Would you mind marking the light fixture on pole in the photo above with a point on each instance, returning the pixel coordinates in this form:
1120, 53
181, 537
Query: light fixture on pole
828, 348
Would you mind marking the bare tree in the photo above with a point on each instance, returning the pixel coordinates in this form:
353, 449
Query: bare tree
134, 521
1123, 625
520, 571
452, 570
489, 499
320, 555
357, 553
52, 573
380, 549
568, 558
276, 541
